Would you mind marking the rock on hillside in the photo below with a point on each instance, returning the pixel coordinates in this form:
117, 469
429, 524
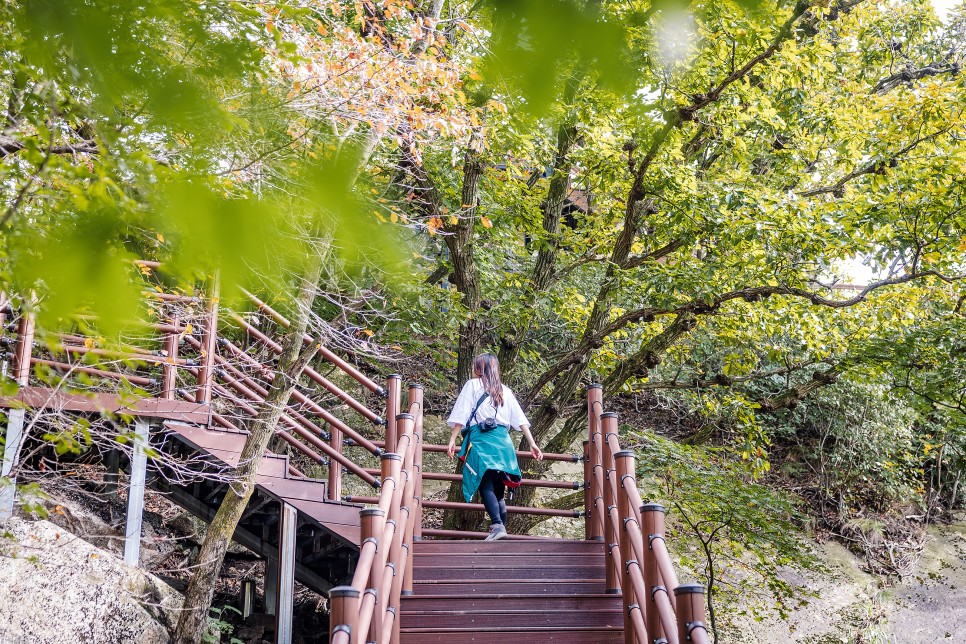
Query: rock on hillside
56, 588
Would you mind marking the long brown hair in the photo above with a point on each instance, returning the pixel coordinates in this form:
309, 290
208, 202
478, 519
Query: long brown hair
487, 367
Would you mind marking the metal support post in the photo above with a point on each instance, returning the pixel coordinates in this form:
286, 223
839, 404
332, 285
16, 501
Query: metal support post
135, 493
247, 599
11, 447
286, 574
112, 466
271, 585
16, 417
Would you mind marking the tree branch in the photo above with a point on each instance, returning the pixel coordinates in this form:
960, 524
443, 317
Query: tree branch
910, 74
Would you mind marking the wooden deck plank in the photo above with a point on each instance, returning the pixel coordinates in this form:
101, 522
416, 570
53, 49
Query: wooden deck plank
484, 571
607, 618
518, 636
457, 588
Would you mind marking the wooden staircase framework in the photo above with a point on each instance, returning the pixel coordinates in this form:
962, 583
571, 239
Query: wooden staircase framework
618, 584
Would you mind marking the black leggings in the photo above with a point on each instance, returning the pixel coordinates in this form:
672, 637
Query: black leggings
491, 493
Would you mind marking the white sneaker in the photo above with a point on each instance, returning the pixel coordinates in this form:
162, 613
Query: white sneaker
497, 531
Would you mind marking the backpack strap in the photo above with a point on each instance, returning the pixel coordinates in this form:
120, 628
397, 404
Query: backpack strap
469, 421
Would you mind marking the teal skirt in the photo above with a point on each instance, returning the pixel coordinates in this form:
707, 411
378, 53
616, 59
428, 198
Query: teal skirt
482, 451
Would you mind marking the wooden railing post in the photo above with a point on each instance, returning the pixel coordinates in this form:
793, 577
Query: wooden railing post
343, 610
690, 613
652, 525
169, 370
416, 408
608, 424
416, 472
335, 467
400, 551
596, 506
625, 464
588, 493
209, 345
373, 524
393, 400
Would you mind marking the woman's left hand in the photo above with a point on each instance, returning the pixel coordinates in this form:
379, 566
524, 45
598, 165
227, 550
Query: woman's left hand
537, 454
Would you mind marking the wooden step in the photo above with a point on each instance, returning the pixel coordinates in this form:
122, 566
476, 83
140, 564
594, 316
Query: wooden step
451, 588
524, 560
486, 570
445, 603
566, 635
523, 618
533, 546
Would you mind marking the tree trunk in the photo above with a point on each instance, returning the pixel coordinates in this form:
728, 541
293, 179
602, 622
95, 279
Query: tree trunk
545, 266
198, 595
466, 279
465, 272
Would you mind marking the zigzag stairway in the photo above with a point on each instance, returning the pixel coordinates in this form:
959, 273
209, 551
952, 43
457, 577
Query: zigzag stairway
188, 393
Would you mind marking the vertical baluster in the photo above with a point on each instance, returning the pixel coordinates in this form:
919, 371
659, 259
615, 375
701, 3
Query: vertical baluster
400, 552
652, 519
594, 408
588, 493
169, 370
416, 478
418, 463
335, 468
608, 424
343, 610
690, 611
209, 343
625, 463
374, 526
393, 400
25, 345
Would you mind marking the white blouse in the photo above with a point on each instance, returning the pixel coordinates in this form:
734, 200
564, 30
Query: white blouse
509, 413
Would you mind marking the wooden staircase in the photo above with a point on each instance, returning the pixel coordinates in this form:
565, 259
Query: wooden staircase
510, 592
327, 532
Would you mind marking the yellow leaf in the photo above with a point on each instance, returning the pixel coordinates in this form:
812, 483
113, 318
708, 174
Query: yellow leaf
160, 238
486, 222
454, 220
89, 342
394, 217
368, 333
434, 224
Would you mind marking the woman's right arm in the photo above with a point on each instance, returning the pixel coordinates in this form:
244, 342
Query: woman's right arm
451, 448
461, 409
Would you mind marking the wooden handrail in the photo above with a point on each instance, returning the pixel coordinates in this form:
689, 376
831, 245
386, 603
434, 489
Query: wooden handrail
297, 395
326, 353
441, 449
637, 560
384, 570
453, 478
